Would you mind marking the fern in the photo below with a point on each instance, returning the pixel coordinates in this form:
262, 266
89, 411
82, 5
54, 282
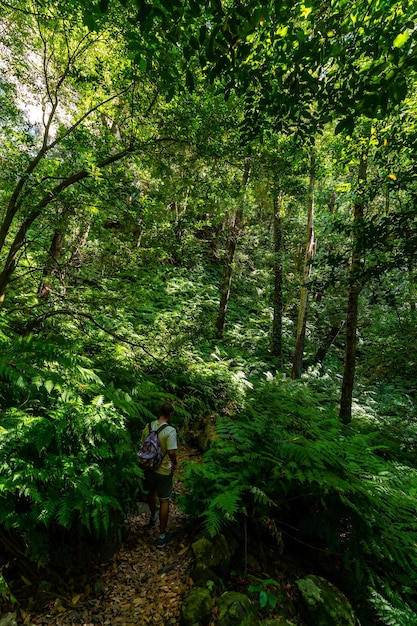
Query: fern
288, 458
400, 615
66, 458
261, 497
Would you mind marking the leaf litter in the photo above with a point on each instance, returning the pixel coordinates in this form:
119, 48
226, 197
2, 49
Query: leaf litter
139, 584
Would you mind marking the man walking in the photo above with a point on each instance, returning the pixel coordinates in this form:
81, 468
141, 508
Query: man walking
158, 483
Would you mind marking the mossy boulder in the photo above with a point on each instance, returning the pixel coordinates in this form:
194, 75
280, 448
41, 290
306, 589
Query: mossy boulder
203, 576
322, 604
213, 554
197, 607
236, 609
10, 619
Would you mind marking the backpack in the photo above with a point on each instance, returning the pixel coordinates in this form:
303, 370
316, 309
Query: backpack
150, 454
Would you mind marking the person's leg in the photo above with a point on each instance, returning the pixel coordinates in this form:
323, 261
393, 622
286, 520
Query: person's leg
150, 487
163, 515
164, 495
152, 504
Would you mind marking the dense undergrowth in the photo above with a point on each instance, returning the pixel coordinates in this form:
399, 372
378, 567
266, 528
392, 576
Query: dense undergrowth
74, 399
331, 487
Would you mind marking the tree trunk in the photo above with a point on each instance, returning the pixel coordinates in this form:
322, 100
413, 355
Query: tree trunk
51, 263
297, 366
276, 347
54, 255
50, 196
11, 261
356, 284
410, 273
327, 342
228, 268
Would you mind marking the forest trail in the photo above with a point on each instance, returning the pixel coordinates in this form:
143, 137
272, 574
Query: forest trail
140, 584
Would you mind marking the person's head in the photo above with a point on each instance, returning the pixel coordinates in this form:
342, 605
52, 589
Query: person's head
166, 410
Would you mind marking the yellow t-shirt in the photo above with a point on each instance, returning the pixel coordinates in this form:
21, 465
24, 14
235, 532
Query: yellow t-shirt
167, 440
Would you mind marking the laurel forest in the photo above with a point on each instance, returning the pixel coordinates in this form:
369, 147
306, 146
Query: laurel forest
212, 203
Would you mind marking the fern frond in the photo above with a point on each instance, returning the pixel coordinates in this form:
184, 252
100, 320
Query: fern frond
390, 615
261, 496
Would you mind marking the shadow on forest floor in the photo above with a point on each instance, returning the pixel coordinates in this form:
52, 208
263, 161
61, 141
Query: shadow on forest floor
139, 584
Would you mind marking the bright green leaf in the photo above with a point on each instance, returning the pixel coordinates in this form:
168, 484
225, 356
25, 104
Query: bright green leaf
401, 39
49, 385
263, 599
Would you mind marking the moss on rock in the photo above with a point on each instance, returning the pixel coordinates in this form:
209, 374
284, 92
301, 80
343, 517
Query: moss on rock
197, 607
322, 604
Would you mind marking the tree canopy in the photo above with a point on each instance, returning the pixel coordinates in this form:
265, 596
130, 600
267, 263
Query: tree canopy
212, 203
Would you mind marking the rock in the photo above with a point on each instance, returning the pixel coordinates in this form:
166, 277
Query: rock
213, 554
322, 604
10, 619
197, 607
207, 433
202, 576
235, 609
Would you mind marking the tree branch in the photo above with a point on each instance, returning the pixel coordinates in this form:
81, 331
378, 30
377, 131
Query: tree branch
88, 316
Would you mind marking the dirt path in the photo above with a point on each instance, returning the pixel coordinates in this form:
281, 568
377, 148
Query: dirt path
138, 585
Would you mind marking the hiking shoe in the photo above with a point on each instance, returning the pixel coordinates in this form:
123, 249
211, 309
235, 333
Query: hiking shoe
162, 541
152, 521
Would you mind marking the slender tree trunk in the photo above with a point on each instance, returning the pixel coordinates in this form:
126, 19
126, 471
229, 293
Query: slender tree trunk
356, 284
228, 268
51, 264
327, 342
297, 365
276, 347
20, 237
410, 274
11, 261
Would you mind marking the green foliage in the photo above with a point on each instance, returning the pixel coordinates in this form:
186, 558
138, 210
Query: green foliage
288, 456
391, 610
5, 593
67, 458
266, 598
206, 384
133, 288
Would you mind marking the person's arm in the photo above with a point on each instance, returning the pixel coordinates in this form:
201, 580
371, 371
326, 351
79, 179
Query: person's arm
173, 458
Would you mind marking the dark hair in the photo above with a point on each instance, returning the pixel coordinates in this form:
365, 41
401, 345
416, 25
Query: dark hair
166, 409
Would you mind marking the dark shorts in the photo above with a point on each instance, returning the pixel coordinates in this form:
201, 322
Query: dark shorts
161, 484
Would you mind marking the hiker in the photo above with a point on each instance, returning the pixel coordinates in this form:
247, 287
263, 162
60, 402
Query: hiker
158, 482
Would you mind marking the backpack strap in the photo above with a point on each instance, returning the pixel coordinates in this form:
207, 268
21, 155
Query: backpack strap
157, 434
158, 430
161, 428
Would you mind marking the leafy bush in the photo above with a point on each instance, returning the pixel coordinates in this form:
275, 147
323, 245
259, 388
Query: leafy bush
289, 457
67, 459
74, 468
205, 384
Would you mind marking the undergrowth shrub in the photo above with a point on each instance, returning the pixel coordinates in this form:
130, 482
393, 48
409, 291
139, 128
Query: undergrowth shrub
287, 455
212, 383
66, 455
74, 468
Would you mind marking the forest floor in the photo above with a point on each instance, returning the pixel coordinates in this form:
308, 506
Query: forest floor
139, 584
136, 584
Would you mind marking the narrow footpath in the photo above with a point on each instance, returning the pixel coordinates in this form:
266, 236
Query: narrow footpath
139, 584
